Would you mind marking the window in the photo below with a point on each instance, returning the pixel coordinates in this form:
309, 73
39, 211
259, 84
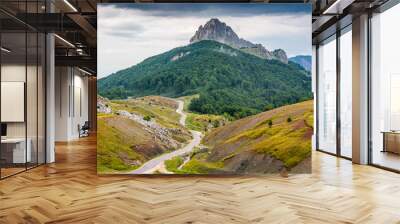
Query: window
327, 95
385, 89
346, 93
334, 106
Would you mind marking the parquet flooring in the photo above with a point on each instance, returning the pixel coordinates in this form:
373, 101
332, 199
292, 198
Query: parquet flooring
69, 191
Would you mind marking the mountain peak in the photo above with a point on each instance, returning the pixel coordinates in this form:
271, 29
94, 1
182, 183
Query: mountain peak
214, 21
280, 53
216, 30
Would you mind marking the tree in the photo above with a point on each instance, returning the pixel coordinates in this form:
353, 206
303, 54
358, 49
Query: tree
270, 123
268, 107
289, 119
147, 118
215, 123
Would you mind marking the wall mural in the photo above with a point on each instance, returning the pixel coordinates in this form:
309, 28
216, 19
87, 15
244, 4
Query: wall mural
204, 89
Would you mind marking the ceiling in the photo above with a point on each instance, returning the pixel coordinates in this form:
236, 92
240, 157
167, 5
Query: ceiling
75, 22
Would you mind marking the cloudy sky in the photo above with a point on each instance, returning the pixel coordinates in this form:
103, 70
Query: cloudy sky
130, 33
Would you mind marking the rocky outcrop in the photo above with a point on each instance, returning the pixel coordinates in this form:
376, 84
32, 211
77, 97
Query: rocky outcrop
281, 55
218, 31
102, 106
180, 55
161, 133
260, 51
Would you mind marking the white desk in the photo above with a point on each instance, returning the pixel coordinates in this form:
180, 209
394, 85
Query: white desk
19, 154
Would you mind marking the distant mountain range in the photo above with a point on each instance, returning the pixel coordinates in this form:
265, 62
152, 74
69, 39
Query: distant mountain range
231, 75
218, 31
303, 60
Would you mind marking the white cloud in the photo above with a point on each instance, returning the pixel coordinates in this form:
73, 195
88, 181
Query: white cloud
127, 36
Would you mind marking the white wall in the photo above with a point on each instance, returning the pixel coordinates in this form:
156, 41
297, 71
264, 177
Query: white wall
62, 82
17, 73
79, 110
71, 102
33, 126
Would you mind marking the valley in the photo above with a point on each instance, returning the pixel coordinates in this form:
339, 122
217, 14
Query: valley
156, 165
168, 144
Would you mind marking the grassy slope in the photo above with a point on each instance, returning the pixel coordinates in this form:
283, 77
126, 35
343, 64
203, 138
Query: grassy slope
194, 166
113, 145
173, 164
289, 142
160, 108
119, 136
200, 122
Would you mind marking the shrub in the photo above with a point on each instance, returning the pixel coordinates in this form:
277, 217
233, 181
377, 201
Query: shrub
147, 118
268, 107
173, 164
215, 123
289, 119
270, 123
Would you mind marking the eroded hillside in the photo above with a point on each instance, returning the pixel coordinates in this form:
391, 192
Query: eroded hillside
134, 131
269, 142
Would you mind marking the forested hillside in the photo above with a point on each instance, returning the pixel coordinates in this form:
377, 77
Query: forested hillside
228, 80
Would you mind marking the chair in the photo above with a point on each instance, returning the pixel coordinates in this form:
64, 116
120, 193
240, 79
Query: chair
84, 130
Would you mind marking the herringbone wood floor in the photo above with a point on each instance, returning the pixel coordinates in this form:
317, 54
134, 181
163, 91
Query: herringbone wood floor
69, 191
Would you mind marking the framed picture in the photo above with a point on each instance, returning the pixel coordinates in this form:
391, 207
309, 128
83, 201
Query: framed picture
204, 88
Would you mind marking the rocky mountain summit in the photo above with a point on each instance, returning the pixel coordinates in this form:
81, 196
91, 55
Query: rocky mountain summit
218, 31
281, 55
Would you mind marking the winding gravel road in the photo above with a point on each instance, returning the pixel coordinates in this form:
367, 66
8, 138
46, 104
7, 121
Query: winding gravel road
154, 164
